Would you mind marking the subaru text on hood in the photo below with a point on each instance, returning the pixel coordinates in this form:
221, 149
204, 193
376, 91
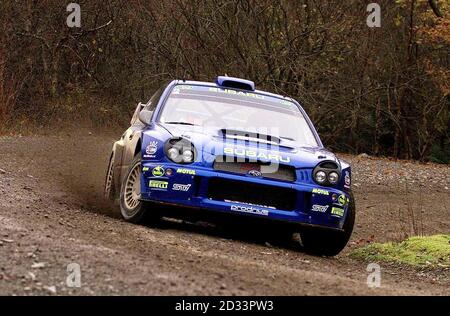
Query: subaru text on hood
226, 148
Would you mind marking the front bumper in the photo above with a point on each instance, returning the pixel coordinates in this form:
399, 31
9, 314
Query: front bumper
194, 187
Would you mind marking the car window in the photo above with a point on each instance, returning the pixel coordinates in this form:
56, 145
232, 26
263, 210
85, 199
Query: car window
134, 119
150, 106
153, 102
229, 109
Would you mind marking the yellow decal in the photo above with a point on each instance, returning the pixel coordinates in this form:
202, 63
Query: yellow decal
186, 171
342, 200
320, 191
158, 184
337, 211
158, 171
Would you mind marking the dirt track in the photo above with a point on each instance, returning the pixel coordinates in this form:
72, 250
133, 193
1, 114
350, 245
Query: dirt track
52, 214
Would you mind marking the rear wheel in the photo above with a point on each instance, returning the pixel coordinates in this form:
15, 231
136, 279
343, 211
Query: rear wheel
132, 208
329, 243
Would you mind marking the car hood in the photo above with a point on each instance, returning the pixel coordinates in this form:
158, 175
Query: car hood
211, 141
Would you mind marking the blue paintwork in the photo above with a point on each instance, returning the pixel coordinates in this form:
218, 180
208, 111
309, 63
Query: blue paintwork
221, 81
304, 159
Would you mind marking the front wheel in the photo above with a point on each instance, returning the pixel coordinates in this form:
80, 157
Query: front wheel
132, 208
329, 243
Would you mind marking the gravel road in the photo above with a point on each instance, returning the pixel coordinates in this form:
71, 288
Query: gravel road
52, 214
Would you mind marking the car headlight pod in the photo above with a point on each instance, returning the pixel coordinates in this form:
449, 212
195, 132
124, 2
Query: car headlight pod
327, 173
180, 150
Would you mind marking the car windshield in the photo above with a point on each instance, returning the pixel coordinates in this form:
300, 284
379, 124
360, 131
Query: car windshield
229, 109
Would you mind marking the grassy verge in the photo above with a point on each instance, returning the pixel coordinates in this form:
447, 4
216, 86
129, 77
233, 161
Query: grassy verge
426, 251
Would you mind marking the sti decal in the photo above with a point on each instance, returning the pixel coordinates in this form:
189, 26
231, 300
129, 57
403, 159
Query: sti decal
181, 187
319, 208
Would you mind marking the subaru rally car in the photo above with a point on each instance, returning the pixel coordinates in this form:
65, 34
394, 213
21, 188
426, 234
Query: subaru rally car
227, 148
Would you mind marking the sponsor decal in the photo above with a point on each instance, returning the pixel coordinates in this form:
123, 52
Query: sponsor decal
155, 184
248, 153
235, 92
258, 205
152, 148
249, 209
158, 171
169, 172
320, 191
178, 89
347, 179
336, 211
145, 169
181, 187
342, 200
186, 171
319, 208
254, 173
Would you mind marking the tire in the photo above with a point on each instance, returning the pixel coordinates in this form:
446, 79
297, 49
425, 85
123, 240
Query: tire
132, 209
329, 243
109, 191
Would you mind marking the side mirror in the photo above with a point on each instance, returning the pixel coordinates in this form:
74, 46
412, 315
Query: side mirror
145, 116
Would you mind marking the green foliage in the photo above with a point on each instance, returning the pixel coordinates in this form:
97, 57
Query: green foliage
439, 155
380, 91
419, 251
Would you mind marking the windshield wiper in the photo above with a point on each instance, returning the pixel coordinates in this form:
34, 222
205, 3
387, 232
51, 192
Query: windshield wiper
181, 123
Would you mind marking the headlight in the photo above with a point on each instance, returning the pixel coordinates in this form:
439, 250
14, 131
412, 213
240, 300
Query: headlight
321, 177
180, 150
188, 156
327, 173
333, 177
173, 154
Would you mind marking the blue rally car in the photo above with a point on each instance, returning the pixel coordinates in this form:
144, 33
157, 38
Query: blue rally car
226, 148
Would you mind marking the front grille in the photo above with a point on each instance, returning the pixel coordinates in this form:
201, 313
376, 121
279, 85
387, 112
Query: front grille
252, 193
274, 171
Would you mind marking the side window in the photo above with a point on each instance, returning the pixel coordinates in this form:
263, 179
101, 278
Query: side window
139, 108
151, 105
